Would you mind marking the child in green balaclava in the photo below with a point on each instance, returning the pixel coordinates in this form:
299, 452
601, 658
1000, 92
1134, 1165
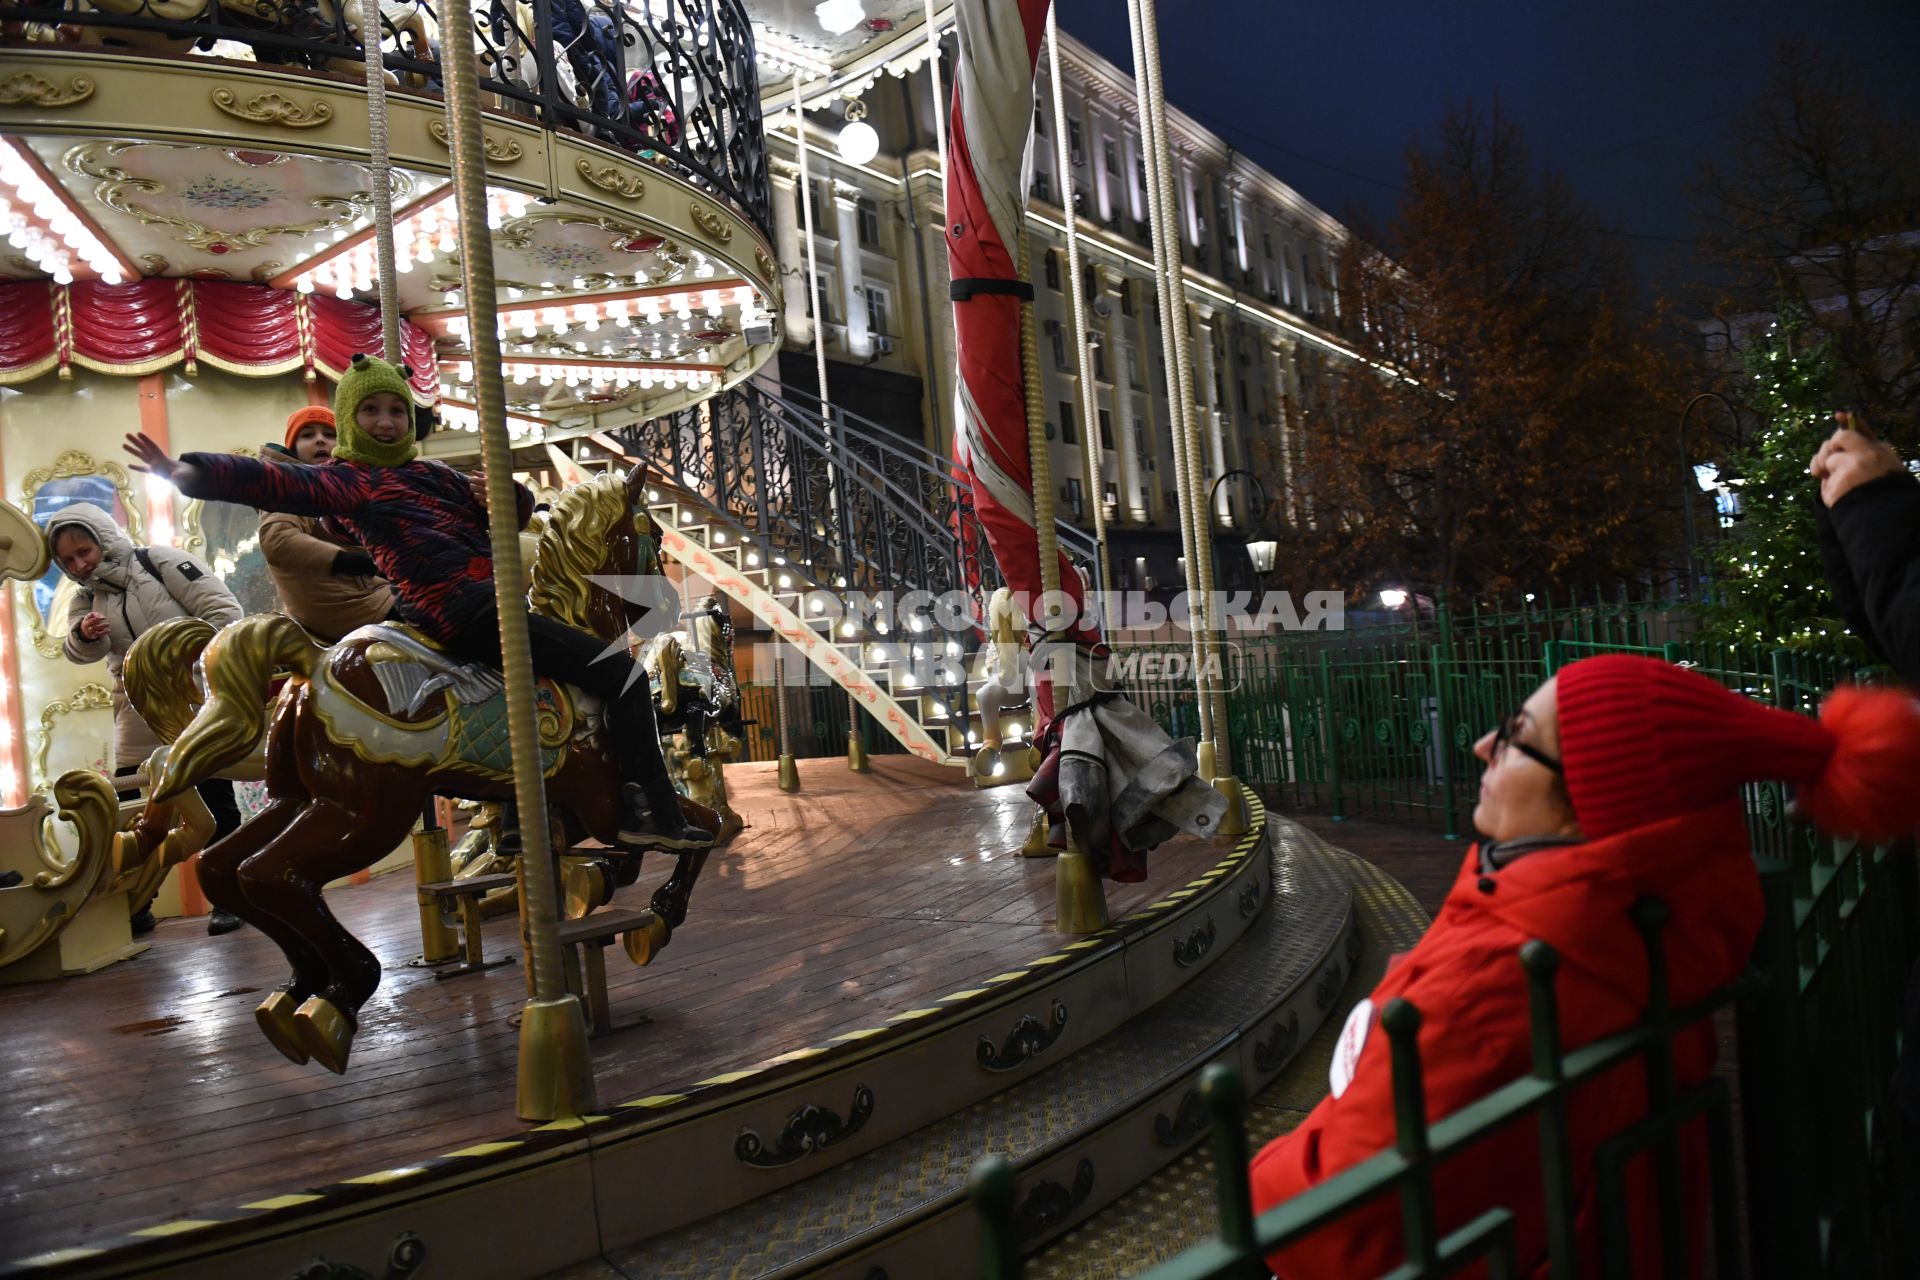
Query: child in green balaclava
425, 525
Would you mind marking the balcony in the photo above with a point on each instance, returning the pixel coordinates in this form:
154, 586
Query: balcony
626, 174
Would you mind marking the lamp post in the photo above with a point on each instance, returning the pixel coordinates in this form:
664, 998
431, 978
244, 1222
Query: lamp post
1687, 483
1260, 552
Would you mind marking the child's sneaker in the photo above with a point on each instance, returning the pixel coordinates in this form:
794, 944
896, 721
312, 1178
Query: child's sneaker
640, 828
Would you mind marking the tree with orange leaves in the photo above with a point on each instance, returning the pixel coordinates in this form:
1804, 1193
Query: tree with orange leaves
1517, 433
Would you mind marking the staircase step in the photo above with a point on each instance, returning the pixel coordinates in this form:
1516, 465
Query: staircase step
1082, 1132
1177, 1208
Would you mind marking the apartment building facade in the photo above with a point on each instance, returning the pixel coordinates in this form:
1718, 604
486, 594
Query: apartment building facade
1262, 303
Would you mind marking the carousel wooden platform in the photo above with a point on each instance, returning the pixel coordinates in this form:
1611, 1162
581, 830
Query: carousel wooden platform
853, 939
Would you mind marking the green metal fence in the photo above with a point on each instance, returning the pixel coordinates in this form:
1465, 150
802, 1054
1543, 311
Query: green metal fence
817, 723
1825, 1168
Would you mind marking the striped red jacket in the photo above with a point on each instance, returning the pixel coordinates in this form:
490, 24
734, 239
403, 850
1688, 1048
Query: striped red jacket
419, 522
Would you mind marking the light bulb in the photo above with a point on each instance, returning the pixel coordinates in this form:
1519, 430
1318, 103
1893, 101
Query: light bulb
859, 143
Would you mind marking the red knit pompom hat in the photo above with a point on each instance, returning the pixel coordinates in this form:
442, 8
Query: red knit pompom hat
299, 418
1643, 740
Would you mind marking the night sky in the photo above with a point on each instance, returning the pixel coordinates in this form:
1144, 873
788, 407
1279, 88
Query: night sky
1624, 98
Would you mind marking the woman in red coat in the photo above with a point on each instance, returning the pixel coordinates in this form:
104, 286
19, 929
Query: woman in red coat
1617, 780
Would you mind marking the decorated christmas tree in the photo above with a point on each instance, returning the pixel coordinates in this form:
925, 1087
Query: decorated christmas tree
1770, 590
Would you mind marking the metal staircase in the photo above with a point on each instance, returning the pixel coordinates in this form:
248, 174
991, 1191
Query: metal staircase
789, 512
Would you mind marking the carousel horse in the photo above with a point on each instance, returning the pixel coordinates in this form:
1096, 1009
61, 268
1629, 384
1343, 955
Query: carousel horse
363, 732
696, 694
1002, 673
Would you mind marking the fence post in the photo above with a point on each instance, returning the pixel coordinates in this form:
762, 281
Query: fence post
1220, 1088
1401, 1021
1329, 722
1541, 962
1443, 739
992, 1187
1782, 1219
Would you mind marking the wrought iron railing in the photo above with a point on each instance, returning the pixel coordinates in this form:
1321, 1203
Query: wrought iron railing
858, 507
1826, 1162
672, 81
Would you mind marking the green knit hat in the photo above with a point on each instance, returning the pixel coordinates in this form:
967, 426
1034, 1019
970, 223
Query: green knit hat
367, 376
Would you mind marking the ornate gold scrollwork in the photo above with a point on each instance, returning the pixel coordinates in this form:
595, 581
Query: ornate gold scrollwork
710, 222
612, 178
768, 267
24, 88
506, 152
116, 188
92, 696
273, 108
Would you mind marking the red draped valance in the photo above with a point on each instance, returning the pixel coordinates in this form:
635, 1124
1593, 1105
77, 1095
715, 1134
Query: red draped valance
247, 329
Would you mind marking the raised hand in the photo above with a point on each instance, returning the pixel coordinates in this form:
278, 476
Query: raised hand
149, 457
1850, 457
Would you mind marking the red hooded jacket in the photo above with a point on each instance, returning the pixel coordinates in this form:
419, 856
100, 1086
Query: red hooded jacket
1466, 980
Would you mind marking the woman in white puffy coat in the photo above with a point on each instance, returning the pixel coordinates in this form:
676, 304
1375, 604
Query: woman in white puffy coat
125, 592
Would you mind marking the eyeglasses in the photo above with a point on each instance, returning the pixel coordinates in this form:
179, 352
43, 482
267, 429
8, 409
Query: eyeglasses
1507, 735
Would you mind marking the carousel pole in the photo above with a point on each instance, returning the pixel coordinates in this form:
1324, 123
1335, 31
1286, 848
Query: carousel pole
789, 770
1195, 530
1089, 402
382, 164
1080, 904
856, 750
556, 1071
432, 859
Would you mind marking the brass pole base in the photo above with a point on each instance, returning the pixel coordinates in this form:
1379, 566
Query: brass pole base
325, 1033
275, 1016
1079, 901
556, 1072
789, 774
856, 753
1036, 845
1235, 821
433, 864
1208, 757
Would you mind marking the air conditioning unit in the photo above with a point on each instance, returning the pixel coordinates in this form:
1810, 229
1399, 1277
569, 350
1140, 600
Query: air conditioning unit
883, 344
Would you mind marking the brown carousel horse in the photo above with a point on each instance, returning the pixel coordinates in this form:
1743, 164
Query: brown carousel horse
362, 733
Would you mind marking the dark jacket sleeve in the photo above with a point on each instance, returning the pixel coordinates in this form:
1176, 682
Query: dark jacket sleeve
296, 488
1833, 562
1877, 529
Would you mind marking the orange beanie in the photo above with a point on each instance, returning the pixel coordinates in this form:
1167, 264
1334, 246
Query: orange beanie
1643, 740
305, 418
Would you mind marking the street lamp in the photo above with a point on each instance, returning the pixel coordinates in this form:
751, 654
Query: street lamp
1260, 552
1686, 491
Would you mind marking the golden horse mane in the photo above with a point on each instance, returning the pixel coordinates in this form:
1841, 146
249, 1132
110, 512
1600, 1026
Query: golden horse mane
573, 549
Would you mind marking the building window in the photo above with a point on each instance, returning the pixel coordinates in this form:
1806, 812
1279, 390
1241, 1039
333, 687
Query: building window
1113, 158
1100, 363
1133, 369
1074, 498
1053, 270
1140, 443
1057, 334
1126, 297
1106, 429
877, 302
1073, 140
824, 286
1243, 395
869, 224
1067, 435
1040, 116
1266, 242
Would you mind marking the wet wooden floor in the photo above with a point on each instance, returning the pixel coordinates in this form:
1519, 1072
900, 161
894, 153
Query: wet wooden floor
135, 1094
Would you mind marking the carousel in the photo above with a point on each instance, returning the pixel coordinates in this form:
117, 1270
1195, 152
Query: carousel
467, 1031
